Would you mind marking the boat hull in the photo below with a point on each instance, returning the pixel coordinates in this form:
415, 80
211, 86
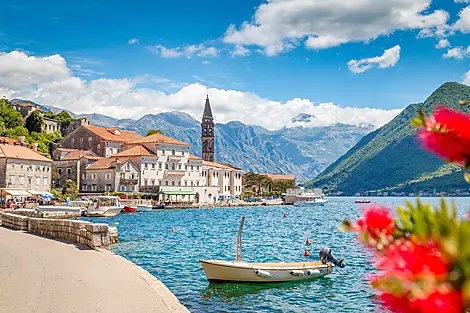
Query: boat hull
311, 203
129, 209
144, 207
104, 212
222, 271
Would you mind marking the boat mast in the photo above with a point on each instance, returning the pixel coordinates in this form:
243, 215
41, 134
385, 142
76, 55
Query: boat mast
239, 241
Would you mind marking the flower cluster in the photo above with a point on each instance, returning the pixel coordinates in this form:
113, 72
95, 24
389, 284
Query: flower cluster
446, 133
416, 273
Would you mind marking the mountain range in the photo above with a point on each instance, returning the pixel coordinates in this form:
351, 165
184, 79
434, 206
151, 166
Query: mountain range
390, 159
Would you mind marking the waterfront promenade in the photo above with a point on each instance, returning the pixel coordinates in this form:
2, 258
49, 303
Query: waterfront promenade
44, 275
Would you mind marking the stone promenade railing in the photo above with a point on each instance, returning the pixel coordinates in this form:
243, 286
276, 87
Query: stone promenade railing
47, 214
82, 232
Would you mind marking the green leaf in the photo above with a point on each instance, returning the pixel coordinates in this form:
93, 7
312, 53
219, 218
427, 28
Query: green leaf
417, 122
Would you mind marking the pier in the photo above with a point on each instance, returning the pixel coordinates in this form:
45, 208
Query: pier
42, 275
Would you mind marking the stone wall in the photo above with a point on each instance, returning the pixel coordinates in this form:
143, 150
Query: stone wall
81, 232
39, 214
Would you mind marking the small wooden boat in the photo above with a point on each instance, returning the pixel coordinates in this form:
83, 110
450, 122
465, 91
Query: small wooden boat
362, 201
239, 271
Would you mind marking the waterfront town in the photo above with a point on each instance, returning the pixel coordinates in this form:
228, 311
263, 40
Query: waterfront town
113, 160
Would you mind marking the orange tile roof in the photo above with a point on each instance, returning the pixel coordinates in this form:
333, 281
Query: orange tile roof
215, 164
159, 138
138, 150
106, 163
193, 157
19, 152
77, 154
280, 176
233, 167
108, 135
10, 140
65, 149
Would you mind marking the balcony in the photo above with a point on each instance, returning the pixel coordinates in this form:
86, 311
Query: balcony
128, 182
175, 158
177, 173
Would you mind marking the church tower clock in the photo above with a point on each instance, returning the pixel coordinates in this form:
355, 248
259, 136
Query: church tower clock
207, 133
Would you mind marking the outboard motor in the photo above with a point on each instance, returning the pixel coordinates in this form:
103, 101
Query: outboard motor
326, 256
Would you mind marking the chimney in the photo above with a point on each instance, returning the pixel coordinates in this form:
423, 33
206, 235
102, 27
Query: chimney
34, 145
22, 139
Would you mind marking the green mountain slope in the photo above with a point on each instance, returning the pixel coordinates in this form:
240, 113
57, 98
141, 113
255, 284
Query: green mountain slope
389, 159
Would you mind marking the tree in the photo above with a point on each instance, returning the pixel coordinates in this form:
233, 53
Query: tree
50, 115
34, 122
9, 116
154, 131
70, 189
63, 118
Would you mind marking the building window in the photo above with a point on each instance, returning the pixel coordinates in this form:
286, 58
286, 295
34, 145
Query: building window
38, 181
69, 171
197, 168
12, 180
108, 176
93, 187
123, 175
98, 147
83, 176
153, 182
128, 166
90, 139
59, 170
73, 141
122, 188
192, 168
185, 182
153, 166
186, 167
81, 141
46, 181
179, 166
145, 182
163, 152
159, 165
166, 166
173, 183
84, 187
166, 182
179, 183
94, 176
146, 166
21, 180
173, 166
173, 152
197, 183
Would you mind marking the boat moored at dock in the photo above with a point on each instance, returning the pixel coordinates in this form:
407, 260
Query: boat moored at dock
104, 206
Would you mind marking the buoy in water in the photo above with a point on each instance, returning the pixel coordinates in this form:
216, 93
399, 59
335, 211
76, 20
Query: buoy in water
116, 223
308, 242
285, 215
306, 253
172, 229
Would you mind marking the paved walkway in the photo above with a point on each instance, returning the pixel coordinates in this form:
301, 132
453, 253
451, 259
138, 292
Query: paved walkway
44, 275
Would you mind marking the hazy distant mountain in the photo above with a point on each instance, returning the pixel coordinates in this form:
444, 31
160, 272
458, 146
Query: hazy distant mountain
390, 159
304, 152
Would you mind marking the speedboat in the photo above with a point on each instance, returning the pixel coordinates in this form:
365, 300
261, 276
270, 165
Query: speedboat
128, 206
362, 201
239, 271
104, 206
144, 207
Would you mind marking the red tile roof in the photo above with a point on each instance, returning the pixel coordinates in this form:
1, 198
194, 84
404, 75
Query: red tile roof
77, 154
23, 153
159, 138
107, 163
218, 165
135, 151
108, 134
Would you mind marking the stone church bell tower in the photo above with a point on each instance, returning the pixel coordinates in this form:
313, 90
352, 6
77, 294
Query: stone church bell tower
207, 133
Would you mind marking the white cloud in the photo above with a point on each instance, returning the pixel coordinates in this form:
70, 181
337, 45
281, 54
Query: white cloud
205, 62
389, 58
240, 51
280, 25
462, 1
187, 51
18, 70
133, 41
466, 79
457, 53
443, 43
463, 23
439, 31
124, 98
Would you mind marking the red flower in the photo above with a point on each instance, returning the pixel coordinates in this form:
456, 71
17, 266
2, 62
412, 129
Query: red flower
376, 220
437, 301
406, 259
447, 134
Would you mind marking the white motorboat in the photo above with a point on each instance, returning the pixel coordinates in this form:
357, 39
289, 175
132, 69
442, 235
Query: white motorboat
104, 206
239, 271
311, 201
141, 207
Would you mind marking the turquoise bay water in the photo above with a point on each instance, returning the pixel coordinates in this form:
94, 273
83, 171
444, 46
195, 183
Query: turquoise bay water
146, 239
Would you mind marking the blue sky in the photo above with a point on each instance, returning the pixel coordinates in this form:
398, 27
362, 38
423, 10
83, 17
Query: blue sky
93, 39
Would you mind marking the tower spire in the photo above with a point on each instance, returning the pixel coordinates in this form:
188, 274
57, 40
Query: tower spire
207, 110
